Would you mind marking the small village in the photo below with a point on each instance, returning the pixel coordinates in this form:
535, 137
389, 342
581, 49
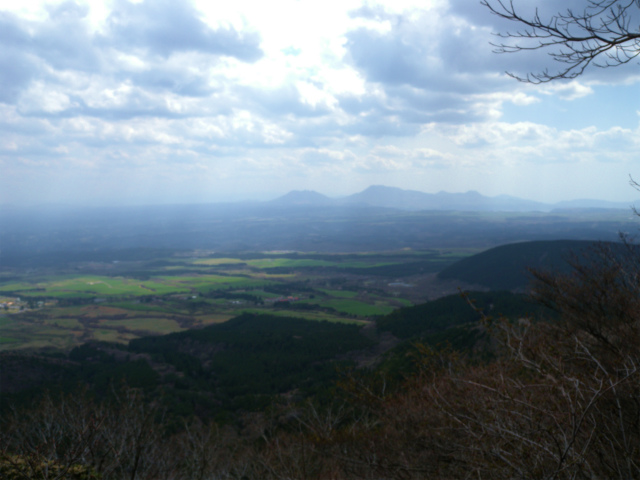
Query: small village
18, 304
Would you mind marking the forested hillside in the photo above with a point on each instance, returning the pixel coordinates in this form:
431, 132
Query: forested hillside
513, 388
508, 267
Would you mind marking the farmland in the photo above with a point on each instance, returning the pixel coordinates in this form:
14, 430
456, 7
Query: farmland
117, 301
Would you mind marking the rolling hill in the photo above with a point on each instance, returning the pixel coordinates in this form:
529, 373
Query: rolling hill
439, 315
506, 267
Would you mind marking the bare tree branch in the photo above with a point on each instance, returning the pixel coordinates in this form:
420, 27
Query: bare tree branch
605, 34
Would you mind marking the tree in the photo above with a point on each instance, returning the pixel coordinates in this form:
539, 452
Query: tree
561, 400
605, 33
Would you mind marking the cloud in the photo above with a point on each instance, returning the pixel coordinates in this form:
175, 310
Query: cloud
387, 59
567, 91
501, 134
322, 157
523, 143
12, 34
426, 50
617, 140
171, 77
16, 73
426, 66
164, 27
414, 158
64, 41
283, 100
397, 93
159, 45
61, 41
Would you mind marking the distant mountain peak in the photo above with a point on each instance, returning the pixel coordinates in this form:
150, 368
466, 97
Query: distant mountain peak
381, 196
303, 197
383, 187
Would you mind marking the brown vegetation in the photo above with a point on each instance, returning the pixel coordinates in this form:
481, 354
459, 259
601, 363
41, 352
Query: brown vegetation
560, 400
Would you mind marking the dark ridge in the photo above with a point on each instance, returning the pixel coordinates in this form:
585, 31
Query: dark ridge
506, 267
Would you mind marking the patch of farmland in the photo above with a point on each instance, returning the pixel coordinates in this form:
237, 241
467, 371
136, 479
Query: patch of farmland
361, 309
107, 336
215, 318
314, 316
159, 325
92, 286
340, 293
238, 283
218, 261
289, 262
66, 323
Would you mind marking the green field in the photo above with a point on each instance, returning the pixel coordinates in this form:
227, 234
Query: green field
91, 286
361, 309
6, 339
172, 294
218, 261
340, 293
118, 286
318, 316
404, 302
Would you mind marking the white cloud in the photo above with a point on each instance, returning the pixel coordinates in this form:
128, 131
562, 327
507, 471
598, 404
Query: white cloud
406, 92
567, 91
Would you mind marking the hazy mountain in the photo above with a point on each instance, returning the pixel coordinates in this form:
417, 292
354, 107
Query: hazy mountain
303, 197
474, 201
586, 203
413, 200
392, 197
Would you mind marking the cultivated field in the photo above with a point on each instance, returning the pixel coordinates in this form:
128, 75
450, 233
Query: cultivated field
118, 301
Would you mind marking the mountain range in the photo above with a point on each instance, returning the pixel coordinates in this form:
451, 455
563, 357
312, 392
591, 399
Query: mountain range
413, 200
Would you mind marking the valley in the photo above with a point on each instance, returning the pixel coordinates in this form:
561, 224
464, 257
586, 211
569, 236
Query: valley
121, 300
277, 325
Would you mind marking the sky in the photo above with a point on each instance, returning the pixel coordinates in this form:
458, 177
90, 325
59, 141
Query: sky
123, 102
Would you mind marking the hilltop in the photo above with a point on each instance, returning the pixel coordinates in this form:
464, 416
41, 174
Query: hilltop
302, 197
507, 267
